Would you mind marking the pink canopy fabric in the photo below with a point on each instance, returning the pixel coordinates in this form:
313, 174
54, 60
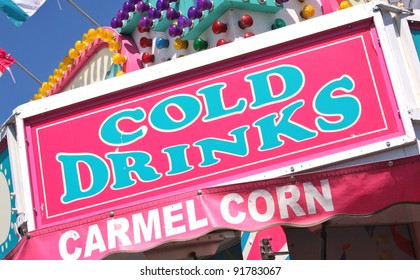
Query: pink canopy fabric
297, 200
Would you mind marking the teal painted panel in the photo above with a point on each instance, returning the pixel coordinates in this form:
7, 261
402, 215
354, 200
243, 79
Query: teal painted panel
8, 232
416, 39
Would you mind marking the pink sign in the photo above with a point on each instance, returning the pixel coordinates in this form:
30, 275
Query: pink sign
263, 111
306, 200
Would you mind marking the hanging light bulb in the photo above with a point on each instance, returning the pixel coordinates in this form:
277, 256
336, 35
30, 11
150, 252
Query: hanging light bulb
145, 42
221, 42
162, 43
219, 27
143, 29
248, 34
344, 5
147, 58
245, 21
199, 44
180, 44
308, 11
278, 23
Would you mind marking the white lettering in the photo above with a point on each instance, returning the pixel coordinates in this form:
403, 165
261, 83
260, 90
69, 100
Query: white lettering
254, 207
170, 219
62, 246
225, 206
192, 217
324, 199
94, 233
292, 201
117, 228
140, 227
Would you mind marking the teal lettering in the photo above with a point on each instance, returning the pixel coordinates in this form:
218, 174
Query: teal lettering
130, 166
112, 135
177, 158
214, 103
346, 107
70, 166
292, 79
188, 105
270, 129
210, 146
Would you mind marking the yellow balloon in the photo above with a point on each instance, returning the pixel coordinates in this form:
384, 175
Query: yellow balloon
63, 67
73, 53
91, 35
52, 79
80, 46
109, 36
114, 46
119, 73
45, 87
58, 73
118, 58
99, 32
68, 60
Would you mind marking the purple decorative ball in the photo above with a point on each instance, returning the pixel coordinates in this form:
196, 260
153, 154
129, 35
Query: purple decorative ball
128, 7
172, 14
184, 22
142, 7
116, 23
175, 30
203, 5
154, 13
194, 13
162, 5
122, 15
146, 22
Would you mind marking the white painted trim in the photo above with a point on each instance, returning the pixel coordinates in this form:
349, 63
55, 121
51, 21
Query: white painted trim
25, 192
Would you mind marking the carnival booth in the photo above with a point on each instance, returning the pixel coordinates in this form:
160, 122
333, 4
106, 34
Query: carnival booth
223, 130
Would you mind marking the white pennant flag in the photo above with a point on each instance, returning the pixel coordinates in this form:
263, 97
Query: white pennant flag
18, 11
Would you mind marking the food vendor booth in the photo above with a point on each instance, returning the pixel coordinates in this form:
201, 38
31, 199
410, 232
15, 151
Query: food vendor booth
223, 130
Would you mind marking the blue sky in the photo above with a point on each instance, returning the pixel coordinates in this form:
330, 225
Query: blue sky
40, 44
